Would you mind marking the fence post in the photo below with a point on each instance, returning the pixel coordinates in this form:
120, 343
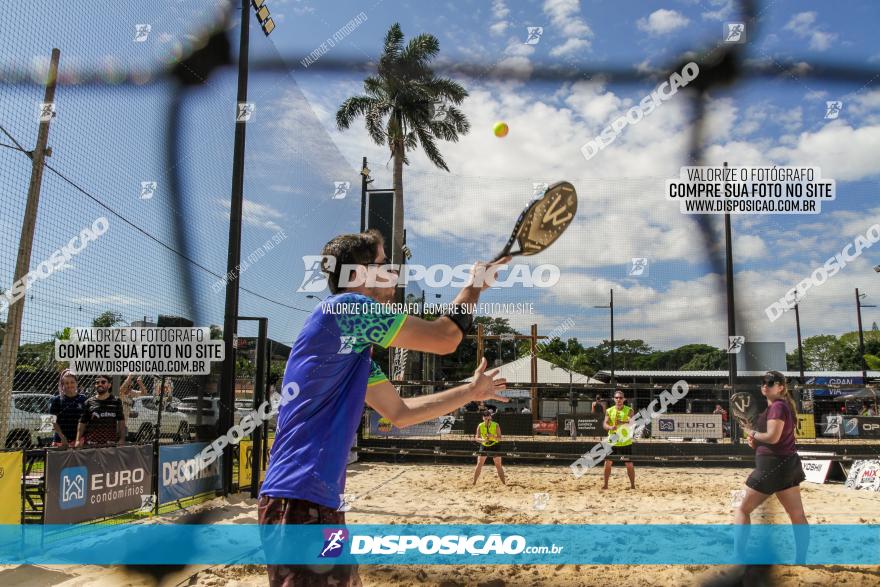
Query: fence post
156, 436
259, 398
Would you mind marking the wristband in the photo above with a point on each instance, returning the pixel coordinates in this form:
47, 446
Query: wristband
461, 315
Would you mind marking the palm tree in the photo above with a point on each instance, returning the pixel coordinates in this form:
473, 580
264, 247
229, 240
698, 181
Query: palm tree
400, 110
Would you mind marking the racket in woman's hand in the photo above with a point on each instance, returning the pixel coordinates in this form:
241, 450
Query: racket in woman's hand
543, 221
744, 409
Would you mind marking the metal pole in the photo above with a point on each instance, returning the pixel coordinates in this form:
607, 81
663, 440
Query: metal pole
534, 372
731, 317
479, 344
263, 431
227, 392
259, 398
364, 197
156, 437
9, 349
861, 338
613, 378
797, 319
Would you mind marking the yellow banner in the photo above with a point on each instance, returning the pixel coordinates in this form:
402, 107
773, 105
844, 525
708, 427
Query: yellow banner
10, 487
806, 426
245, 450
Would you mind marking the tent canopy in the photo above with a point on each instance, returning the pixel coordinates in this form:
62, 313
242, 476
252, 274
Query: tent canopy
862, 394
520, 371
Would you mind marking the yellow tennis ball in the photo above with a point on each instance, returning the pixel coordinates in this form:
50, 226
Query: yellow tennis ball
501, 129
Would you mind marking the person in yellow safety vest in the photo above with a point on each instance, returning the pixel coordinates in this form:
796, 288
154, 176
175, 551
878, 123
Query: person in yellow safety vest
615, 419
489, 436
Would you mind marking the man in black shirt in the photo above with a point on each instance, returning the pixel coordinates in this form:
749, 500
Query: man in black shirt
102, 420
67, 407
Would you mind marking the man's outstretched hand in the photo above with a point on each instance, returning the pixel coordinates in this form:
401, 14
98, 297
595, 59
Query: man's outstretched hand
486, 385
483, 274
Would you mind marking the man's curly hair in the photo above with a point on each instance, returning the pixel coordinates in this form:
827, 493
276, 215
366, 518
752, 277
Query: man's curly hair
349, 249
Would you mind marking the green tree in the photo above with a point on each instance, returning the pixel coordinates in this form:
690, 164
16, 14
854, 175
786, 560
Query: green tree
792, 362
674, 359
849, 357
627, 354
107, 319
821, 353
713, 360
399, 110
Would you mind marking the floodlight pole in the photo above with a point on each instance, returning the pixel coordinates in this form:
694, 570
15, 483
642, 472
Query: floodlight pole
859, 306
611, 307
797, 320
731, 315
260, 395
364, 196
233, 259
12, 338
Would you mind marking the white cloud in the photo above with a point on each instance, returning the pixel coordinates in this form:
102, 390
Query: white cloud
593, 103
499, 28
720, 119
645, 66
843, 152
820, 41
112, 300
723, 9
570, 47
256, 214
802, 25
500, 12
566, 20
662, 22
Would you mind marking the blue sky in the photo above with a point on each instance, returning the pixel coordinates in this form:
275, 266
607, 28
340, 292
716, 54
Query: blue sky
109, 138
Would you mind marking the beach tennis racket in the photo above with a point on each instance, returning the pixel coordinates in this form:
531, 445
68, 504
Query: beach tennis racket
543, 221
745, 409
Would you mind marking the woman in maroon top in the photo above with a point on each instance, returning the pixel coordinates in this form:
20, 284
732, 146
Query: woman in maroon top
778, 468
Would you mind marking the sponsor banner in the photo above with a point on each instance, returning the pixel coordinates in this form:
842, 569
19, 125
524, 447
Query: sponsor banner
245, 464
834, 425
806, 426
421, 544
853, 426
687, 426
587, 425
93, 483
10, 487
380, 426
867, 426
816, 470
180, 475
864, 475
544, 427
832, 392
834, 381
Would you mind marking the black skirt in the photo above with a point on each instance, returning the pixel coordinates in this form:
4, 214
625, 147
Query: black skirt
495, 448
776, 473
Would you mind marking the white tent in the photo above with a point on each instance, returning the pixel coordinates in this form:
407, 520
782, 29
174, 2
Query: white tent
519, 372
